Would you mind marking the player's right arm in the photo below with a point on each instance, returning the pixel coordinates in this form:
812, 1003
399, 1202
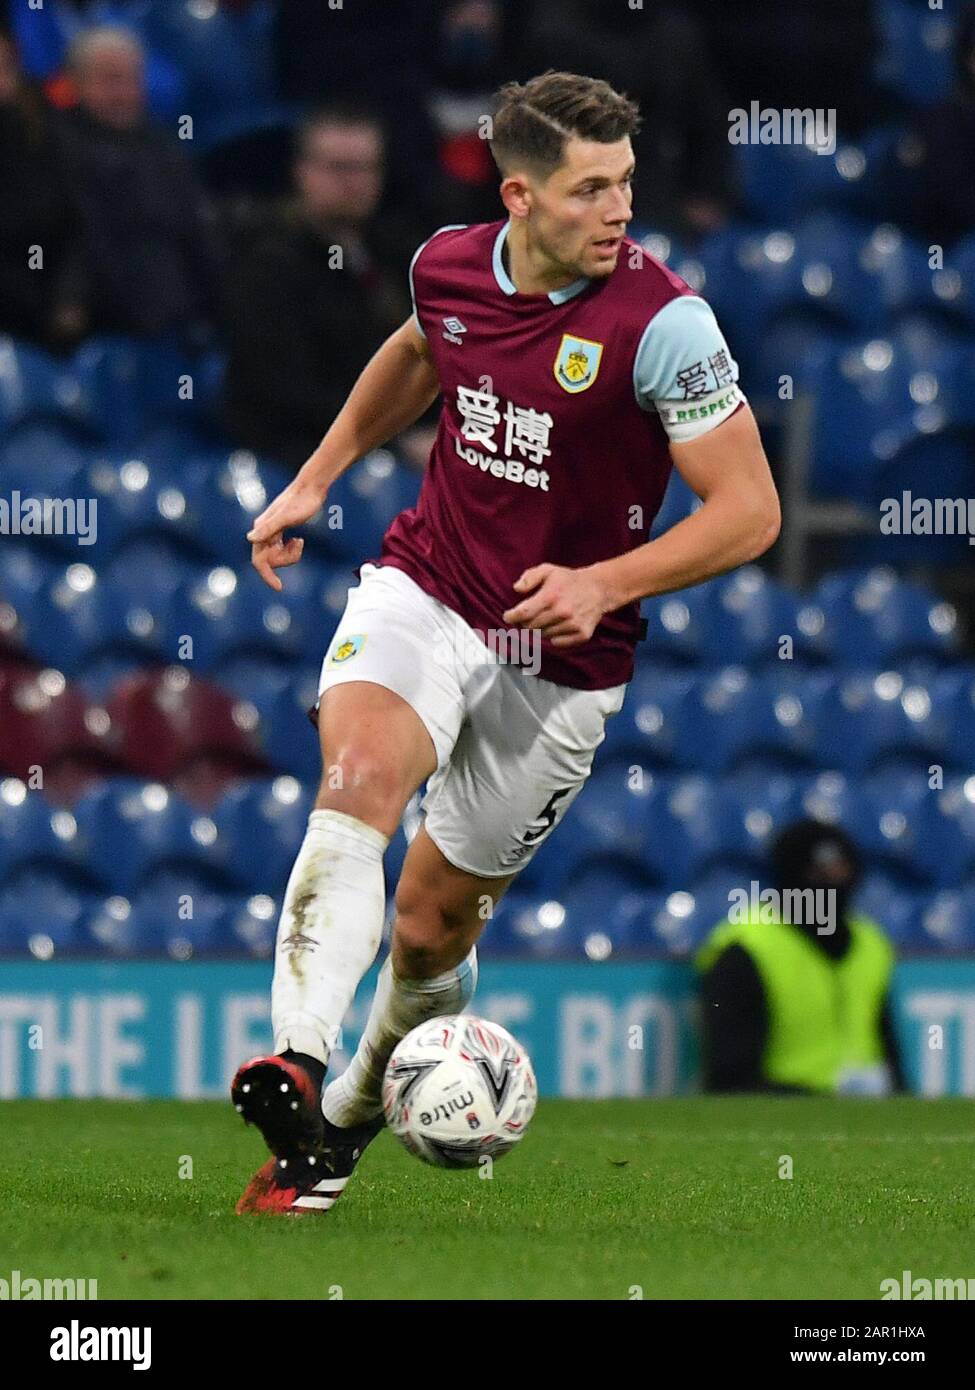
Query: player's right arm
397, 385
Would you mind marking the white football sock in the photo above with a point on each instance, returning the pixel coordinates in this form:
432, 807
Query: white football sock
330, 929
398, 1005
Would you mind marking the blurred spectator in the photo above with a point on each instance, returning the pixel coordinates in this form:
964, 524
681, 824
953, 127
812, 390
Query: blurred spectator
465, 64
146, 259
370, 52
797, 999
944, 199
684, 164
34, 215
44, 35
315, 295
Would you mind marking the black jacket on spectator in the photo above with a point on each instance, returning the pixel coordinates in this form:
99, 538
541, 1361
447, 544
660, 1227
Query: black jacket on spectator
301, 329
146, 258
33, 213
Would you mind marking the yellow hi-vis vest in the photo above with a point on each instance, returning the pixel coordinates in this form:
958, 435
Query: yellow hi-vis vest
824, 1015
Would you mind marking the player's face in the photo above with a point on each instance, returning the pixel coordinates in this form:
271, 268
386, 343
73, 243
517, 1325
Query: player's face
581, 211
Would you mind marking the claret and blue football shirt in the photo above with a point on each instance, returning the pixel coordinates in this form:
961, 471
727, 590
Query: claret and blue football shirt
553, 440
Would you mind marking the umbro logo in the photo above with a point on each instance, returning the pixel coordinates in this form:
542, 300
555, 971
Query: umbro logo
453, 329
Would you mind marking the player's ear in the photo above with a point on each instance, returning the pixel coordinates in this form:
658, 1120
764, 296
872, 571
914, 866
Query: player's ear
516, 195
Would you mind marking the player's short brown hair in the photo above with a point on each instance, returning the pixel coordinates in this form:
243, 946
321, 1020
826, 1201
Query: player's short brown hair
534, 119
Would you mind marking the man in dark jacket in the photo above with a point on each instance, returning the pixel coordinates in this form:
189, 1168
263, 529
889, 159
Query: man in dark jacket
145, 262
315, 295
35, 220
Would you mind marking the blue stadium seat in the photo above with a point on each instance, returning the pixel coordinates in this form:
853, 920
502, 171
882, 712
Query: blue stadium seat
882, 403
231, 493
692, 830
937, 365
769, 177
750, 613
329, 586
136, 500
678, 625
685, 918
282, 699
611, 822
107, 370
547, 871
144, 575
733, 720
252, 923
87, 616
175, 388
953, 836
178, 916
898, 266
360, 506
947, 922
607, 914
153, 567
42, 916
762, 805
647, 729
812, 275
524, 924
836, 799
229, 613
25, 574
720, 278
796, 348
862, 178
581, 921
35, 386
917, 58
895, 908
873, 719
33, 832
188, 916
954, 697
44, 459
907, 834
875, 618
99, 675
129, 832
957, 280
933, 467
261, 825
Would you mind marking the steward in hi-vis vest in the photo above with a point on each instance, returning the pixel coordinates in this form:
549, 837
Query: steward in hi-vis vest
800, 1004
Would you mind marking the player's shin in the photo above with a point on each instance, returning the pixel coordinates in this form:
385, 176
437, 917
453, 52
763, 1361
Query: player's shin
398, 1006
330, 929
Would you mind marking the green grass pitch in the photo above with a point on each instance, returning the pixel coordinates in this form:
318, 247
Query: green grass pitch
680, 1198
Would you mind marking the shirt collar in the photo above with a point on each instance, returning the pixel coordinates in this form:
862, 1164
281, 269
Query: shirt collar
507, 285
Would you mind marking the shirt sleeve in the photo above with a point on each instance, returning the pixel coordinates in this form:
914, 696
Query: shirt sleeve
450, 227
684, 370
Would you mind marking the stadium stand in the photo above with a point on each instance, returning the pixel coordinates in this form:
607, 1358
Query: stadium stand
163, 688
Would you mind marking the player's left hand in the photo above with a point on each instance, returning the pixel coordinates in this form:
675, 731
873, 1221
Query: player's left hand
566, 606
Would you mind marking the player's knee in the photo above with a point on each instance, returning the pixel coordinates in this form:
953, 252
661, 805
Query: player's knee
425, 927
366, 786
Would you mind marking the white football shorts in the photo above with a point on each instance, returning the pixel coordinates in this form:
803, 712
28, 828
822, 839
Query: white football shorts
513, 751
